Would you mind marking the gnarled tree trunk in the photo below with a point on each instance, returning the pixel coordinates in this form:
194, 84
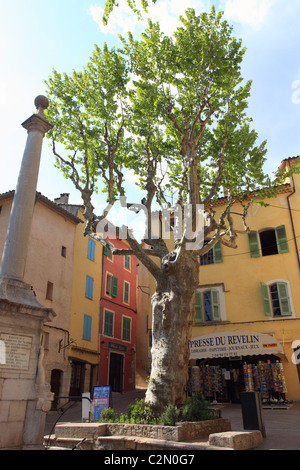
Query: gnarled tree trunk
173, 316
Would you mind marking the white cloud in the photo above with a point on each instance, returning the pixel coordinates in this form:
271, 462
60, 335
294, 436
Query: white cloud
254, 13
121, 20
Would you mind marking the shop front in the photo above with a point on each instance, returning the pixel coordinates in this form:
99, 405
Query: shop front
222, 365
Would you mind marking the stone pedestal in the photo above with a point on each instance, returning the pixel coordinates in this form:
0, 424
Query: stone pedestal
25, 397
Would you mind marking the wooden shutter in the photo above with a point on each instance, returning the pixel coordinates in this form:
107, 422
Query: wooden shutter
114, 286
108, 323
254, 244
127, 262
198, 307
215, 304
89, 287
218, 255
126, 292
126, 329
281, 238
87, 327
266, 299
285, 307
91, 249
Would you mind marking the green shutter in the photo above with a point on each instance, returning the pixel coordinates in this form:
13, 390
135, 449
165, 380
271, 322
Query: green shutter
126, 292
218, 255
282, 243
108, 323
198, 307
114, 286
254, 244
127, 262
106, 250
126, 329
285, 307
266, 299
215, 304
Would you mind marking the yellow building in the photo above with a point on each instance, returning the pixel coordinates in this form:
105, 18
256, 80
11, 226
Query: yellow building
85, 307
247, 307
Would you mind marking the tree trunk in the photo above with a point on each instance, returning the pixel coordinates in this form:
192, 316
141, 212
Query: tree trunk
173, 315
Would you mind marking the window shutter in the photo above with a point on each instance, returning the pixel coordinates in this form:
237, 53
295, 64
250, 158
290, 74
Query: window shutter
198, 307
108, 323
282, 243
127, 262
266, 299
114, 286
218, 255
91, 249
87, 327
89, 287
215, 304
254, 244
285, 307
126, 329
126, 292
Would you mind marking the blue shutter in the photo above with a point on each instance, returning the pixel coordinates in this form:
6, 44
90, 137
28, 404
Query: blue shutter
87, 327
91, 249
89, 286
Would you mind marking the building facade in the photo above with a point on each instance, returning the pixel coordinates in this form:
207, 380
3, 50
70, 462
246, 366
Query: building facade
247, 308
48, 270
118, 320
85, 306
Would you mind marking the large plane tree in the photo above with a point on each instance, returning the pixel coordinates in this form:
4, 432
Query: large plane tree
178, 103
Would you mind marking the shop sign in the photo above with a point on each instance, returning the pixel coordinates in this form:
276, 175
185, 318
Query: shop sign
101, 399
232, 344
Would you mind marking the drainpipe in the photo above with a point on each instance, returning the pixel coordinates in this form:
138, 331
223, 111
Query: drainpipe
291, 217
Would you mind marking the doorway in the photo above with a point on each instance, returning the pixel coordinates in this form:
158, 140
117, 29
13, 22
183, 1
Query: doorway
116, 372
55, 386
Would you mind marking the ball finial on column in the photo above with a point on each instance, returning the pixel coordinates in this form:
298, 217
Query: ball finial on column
41, 102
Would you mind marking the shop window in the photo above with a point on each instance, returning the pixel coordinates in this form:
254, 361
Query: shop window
276, 299
268, 242
214, 255
111, 287
126, 329
207, 306
108, 323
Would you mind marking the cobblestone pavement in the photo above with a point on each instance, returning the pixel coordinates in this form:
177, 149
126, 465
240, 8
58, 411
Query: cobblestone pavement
282, 426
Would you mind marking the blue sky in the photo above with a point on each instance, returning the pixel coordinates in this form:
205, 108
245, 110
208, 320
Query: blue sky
38, 36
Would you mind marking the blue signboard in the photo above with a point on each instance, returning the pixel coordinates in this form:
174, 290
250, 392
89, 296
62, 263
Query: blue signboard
101, 399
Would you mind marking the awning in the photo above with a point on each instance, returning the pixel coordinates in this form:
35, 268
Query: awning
232, 344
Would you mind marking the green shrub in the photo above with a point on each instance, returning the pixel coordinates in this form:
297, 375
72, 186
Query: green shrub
107, 416
169, 416
196, 409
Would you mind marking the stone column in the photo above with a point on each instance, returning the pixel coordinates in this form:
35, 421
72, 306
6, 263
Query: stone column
25, 397
16, 244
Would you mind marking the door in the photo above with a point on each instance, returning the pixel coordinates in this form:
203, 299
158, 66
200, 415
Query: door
55, 386
116, 372
77, 379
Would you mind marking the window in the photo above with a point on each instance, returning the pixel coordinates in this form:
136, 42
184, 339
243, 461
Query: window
207, 305
107, 252
126, 329
108, 323
91, 249
268, 242
64, 251
111, 287
214, 255
127, 260
87, 327
89, 286
49, 292
276, 299
126, 292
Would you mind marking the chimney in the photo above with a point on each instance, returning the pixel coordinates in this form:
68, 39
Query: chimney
63, 199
